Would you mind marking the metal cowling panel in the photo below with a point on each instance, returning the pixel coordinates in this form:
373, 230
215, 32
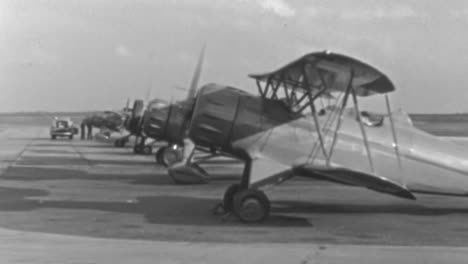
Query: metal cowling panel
176, 124
156, 122
214, 115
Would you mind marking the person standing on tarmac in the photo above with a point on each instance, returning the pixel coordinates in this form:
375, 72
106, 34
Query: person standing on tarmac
83, 127
90, 128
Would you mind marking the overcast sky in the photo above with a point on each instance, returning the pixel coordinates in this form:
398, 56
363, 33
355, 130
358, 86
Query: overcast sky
91, 55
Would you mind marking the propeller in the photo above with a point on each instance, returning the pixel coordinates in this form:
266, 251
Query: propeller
128, 104
192, 91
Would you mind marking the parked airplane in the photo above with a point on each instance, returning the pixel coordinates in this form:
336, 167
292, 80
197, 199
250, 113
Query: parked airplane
281, 133
109, 121
164, 121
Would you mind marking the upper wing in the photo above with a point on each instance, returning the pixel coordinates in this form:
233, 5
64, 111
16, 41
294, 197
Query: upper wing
318, 69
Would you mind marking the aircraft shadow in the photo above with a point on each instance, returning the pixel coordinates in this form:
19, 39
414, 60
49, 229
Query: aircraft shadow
60, 161
25, 139
41, 174
86, 145
158, 176
343, 208
128, 152
170, 210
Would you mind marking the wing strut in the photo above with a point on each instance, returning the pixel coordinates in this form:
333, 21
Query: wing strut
338, 122
314, 112
395, 141
363, 130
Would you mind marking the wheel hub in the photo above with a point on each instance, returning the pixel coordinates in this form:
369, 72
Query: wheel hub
251, 210
169, 156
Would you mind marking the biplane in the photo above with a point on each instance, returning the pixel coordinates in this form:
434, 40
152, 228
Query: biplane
164, 121
109, 121
283, 132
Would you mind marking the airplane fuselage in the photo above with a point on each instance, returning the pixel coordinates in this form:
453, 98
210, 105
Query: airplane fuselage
233, 120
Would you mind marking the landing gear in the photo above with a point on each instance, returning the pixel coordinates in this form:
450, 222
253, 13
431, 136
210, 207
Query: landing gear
120, 143
228, 200
147, 150
53, 137
141, 148
251, 205
137, 149
70, 137
167, 156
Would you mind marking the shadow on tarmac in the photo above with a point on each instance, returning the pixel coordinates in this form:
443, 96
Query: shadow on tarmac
173, 210
71, 161
40, 174
343, 208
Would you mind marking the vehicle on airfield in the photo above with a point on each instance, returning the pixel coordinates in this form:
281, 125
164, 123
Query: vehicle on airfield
62, 127
279, 134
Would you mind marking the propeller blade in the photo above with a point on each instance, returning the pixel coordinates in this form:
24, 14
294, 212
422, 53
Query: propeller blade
196, 75
148, 94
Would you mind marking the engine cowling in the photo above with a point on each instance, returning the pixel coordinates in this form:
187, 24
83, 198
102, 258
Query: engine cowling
224, 114
167, 122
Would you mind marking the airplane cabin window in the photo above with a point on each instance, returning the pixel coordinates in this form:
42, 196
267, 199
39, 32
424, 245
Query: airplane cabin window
371, 120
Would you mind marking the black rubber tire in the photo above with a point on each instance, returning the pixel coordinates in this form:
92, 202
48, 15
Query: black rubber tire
137, 149
120, 143
147, 150
70, 137
228, 199
254, 197
165, 159
158, 155
53, 137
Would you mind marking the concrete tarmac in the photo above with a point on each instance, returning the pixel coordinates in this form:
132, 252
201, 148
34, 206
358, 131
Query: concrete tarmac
87, 202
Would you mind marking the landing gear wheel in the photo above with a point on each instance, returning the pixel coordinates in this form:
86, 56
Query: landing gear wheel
228, 200
137, 149
53, 137
158, 155
251, 206
70, 137
167, 156
147, 150
118, 143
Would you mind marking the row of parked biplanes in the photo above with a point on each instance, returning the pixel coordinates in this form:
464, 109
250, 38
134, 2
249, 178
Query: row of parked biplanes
299, 124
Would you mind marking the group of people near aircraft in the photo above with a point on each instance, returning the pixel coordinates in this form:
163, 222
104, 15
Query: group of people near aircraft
86, 128
280, 133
